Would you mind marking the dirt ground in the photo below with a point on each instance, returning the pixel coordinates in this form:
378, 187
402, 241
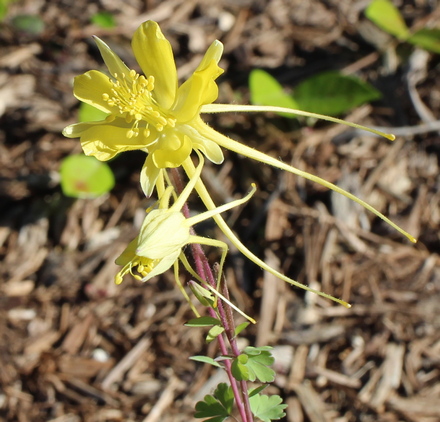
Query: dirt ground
76, 347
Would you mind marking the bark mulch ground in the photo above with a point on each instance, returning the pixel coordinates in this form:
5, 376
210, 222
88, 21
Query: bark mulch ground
76, 347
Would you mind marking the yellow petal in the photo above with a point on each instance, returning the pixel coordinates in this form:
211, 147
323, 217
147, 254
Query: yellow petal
114, 64
155, 56
200, 88
149, 175
90, 87
77, 129
214, 52
172, 150
210, 148
162, 233
164, 265
106, 140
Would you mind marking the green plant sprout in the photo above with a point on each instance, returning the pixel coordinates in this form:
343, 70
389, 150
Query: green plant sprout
330, 93
4, 8
150, 112
85, 177
103, 20
387, 17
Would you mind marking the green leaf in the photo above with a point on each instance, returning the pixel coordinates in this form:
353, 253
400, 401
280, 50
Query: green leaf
240, 371
243, 358
204, 321
31, 24
387, 17
206, 359
240, 328
267, 408
254, 364
428, 39
104, 20
266, 90
216, 407
213, 333
4, 8
257, 390
88, 113
332, 93
85, 177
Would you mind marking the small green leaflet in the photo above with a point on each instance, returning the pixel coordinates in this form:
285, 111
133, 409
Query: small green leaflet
206, 359
213, 333
254, 364
387, 17
30, 24
267, 408
266, 90
85, 177
4, 8
216, 407
204, 321
254, 391
104, 20
427, 38
333, 93
330, 93
240, 328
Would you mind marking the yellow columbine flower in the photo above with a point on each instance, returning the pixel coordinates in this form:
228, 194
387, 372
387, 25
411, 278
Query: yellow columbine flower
148, 112
153, 114
166, 231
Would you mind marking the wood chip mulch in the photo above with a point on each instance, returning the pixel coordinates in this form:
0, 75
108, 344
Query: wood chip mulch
76, 347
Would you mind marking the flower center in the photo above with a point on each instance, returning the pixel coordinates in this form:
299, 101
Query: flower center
139, 267
132, 96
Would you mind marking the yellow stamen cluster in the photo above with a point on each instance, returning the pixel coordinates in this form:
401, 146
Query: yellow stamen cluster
132, 96
139, 267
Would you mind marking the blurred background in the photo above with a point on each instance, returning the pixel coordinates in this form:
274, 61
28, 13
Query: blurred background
76, 347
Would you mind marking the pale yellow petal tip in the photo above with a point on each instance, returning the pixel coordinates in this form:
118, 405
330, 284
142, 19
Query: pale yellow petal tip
340, 301
390, 136
412, 239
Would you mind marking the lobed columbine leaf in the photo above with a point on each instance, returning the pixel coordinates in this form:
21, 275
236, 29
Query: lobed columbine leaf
267, 408
254, 364
216, 407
